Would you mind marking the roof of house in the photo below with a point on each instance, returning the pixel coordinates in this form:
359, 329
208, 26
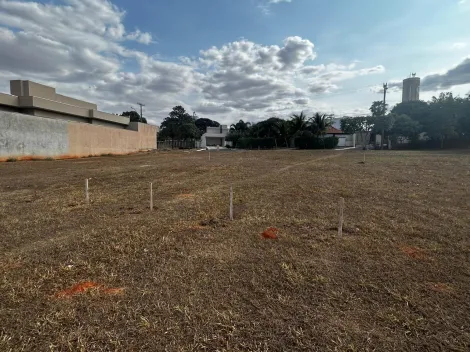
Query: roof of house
334, 130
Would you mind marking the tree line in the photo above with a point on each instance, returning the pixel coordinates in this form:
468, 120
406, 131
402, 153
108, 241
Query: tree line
277, 132
444, 121
269, 133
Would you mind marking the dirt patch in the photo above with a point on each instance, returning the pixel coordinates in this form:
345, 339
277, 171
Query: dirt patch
87, 286
414, 252
270, 233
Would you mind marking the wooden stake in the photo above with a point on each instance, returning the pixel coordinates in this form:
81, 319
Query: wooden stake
87, 196
209, 155
341, 210
231, 203
151, 196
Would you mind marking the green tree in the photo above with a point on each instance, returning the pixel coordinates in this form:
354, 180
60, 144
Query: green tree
442, 122
378, 108
362, 125
179, 125
203, 123
351, 125
268, 128
284, 129
379, 111
464, 119
240, 126
298, 123
416, 110
319, 124
134, 116
405, 127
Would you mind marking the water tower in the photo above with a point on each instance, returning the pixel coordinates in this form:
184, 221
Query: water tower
411, 88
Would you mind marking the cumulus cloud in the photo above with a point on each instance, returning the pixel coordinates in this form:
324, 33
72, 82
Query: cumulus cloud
457, 75
247, 76
79, 46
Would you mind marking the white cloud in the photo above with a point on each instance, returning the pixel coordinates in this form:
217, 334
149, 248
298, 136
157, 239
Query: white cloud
79, 46
265, 5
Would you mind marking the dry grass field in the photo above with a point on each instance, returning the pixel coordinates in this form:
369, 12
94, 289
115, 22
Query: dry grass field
113, 276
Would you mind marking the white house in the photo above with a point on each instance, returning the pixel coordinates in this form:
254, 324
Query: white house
345, 140
215, 136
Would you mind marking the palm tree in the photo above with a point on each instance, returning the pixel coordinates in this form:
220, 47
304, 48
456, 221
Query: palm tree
240, 126
298, 123
284, 129
319, 124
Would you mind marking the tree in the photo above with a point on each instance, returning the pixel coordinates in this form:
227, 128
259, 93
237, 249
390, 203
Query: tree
442, 122
416, 110
464, 119
268, 128
404, 127
383, 124
284, 129
360, 124
203, 123
319, 124
298, 123
134, 116
378, 108
240, 126
351, 125
179, 125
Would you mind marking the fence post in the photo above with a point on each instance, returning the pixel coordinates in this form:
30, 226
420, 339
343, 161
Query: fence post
151, 196
341, 211
231, 203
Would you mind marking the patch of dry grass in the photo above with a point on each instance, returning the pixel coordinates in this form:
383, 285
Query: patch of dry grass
184, 278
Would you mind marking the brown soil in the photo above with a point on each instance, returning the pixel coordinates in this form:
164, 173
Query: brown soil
185, 278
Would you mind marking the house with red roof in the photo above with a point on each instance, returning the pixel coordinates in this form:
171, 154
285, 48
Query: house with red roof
345, 140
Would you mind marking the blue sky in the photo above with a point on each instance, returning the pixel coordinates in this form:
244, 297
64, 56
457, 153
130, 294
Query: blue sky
330, 56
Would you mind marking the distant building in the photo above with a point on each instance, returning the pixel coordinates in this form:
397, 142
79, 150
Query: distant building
344, 140
36, 121
411, 88
215, 136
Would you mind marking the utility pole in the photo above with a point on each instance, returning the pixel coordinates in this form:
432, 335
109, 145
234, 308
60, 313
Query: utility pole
141, 105
385, 111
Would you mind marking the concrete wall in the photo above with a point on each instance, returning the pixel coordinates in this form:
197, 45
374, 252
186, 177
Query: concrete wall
23, 136
55, 115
